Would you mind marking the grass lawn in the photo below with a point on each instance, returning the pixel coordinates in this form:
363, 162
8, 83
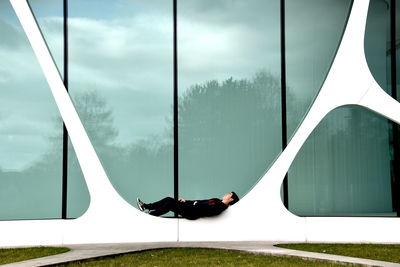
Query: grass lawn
10, 255
367, 251
197, 257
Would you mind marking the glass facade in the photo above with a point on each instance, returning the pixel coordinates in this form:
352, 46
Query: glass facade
229, 94
49, 16
343, 169
377, 42
397, 41
229, 85
120, 80
314, 29
30, 133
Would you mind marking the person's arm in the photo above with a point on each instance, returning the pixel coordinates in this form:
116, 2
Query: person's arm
189, 202
210, 207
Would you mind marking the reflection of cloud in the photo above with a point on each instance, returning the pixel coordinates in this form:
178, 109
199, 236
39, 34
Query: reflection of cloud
14, 37
312, 36
124, 50
27, 108
217, 39
129, 61
121, 53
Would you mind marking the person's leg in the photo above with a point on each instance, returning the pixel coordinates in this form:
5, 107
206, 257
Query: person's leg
158, 204
161, 207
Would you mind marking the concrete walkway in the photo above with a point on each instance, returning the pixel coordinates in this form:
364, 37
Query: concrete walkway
79, 252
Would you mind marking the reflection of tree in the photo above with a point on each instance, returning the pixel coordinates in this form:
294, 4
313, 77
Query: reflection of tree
230, 132
133, 169
92, 109
221, 125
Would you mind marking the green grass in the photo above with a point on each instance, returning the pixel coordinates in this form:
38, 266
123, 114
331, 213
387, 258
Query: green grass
367, 251
10, 255
193, 257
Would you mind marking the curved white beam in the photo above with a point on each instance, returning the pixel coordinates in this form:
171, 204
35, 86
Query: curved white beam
260, 215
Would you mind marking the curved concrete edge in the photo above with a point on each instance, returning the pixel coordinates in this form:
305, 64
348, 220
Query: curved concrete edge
89, 251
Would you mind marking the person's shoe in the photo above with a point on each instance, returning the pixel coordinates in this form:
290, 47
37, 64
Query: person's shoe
140, 204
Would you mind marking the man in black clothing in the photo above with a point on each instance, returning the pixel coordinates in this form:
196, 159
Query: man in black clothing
190, 209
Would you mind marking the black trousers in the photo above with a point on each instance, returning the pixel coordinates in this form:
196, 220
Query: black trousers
168, 204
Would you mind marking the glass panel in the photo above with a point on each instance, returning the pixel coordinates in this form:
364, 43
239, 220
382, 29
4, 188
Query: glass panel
78, 198
313, 32
397, 42
30, 134
121, 84
396, 128
377, 42
343, 169
229, 94
49, 16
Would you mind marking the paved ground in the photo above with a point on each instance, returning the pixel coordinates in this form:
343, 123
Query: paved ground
87, 251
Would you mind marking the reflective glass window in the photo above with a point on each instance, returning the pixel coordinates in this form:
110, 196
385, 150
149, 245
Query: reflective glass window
377, 42
30, 133
344, 168
49, 15
229, 94
397, 42
78, 198
121, 83
314, 29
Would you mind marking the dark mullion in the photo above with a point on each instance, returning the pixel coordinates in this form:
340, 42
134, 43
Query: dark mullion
283, 98
395, 127
65, 132
175, 104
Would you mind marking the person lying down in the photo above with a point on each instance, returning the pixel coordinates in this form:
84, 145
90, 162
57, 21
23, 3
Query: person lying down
189, 209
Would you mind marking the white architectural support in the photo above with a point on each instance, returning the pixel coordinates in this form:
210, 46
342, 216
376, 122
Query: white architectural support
260, 215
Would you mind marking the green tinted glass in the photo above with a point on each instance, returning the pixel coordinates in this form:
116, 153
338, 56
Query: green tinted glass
121, 85
229, 94
313, 33
30, 133
343, 169
377, 42
49, 15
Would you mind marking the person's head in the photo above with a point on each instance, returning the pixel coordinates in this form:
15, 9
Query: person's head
230, 198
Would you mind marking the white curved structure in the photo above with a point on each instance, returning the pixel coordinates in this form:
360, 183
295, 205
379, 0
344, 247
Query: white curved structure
260, 215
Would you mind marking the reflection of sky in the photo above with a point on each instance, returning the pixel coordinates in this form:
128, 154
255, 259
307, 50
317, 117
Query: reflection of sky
7, 12
220, 39
107, 10
313, 32
27, 109
123, 50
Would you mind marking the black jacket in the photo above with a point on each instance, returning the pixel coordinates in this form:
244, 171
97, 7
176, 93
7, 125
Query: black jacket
194, 209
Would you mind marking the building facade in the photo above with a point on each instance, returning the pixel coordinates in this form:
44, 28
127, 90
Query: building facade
291, 104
